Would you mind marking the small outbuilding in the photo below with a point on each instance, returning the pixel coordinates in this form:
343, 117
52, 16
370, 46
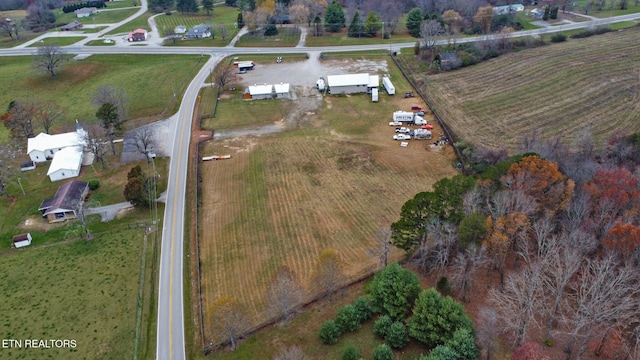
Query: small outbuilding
27, 165
180, 29
258, 92
281, 90
22, 240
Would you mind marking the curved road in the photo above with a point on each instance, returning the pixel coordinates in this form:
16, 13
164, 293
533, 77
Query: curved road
170, 326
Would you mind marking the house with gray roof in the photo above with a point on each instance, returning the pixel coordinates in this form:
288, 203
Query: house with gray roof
63, 205
199, 31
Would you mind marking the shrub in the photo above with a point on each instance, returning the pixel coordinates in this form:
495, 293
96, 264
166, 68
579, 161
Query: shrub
382, 352
382, 326
94, 184
351, 352
443, 285
393, 290
463, 343
363, 308
559, 37
329, 332
347, 319
397, 336
442, 352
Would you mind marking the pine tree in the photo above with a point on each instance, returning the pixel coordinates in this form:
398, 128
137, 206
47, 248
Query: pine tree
356, 28
372, 24
334, 19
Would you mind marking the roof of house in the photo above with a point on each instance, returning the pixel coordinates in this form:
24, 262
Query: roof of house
281, 88
21, 237
89, 10
43, 142
138, 31
199, 29
67, 197
69, 158
374, 80
260, 89
72, 25
180, 29
348, 80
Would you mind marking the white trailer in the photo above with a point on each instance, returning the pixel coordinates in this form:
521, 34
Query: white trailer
388, 86
403, 116
374, 95
419, 120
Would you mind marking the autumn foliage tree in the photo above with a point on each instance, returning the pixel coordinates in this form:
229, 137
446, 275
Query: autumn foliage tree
228, 319
623, 239
540, 179
329, 274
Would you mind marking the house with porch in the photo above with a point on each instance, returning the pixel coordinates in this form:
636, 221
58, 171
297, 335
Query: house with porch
66, 202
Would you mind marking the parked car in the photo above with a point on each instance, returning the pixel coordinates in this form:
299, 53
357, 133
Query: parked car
402, 130
395, 123
420, 113
401, 137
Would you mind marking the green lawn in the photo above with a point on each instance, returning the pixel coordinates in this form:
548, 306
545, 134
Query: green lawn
59, 41
138, 23
149, 80
222, 16
102, 17
286, 36
99, 43
608, 10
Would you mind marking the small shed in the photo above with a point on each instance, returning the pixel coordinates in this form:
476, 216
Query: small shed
22, 240
282, 90
261, 91
27, 165
72, 26
180, 29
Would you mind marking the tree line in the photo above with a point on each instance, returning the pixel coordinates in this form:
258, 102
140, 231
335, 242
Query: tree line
559, 228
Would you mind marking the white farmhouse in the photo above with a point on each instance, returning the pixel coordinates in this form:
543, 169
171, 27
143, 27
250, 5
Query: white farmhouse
348, 84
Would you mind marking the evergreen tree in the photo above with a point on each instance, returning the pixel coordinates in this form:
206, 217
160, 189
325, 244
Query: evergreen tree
240, 21
357, 27
207, 5
271, 29
393, 290
334, 19
414, 22
138, 188
372, 24
187, 6
317, 26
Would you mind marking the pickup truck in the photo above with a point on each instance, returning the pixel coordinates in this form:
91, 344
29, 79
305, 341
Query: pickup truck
403, 130
395, 123
401, 137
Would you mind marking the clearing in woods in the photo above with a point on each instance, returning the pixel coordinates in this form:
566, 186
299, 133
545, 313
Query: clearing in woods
554, 90
283, 198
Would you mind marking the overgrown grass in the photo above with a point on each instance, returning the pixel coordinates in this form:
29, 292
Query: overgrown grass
102, 17
58, 41
150, 82
287, 36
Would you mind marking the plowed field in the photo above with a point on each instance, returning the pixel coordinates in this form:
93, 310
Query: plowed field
556, 90
282, 199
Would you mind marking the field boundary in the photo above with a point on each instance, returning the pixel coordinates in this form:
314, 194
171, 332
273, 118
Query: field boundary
431, 108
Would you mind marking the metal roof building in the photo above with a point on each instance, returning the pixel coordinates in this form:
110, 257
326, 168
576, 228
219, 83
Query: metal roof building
261, 91
348, 84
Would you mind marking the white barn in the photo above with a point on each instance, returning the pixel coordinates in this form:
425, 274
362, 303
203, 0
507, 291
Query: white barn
282, 90
261, 91
66, 164
348, 84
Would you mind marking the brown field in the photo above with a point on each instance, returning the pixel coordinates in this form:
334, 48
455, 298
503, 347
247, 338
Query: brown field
555, 90
282, 199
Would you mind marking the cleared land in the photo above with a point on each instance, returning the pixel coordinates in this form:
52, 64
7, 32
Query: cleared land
282, 199
556, 90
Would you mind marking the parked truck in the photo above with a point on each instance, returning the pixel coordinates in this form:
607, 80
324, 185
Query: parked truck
403, 116
388, 86
419, 120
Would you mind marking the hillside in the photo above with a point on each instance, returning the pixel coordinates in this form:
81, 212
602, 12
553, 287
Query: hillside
555, 90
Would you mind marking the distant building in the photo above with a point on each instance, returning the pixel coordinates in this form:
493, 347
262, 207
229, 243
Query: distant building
258, 92
137, 35
75, 25
180, 29
348, 84
198, 32
281, 90
508, 9
86, 12
63, 205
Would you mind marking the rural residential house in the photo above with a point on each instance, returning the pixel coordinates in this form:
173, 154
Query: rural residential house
86, 12
198, 32
63, 205
65, 149
348, 84
507, 9
72, 26
138, 35
22, 240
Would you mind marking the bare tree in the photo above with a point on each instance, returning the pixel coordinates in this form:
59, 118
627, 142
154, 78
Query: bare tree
228, 319
329, 274
79, 209
49, 58
285, 293
47, 113
464, 268
434, 253
225, 74
170, 35
224, 32
382, 248
605, 297
429, 33
518, 303
8, 166
487, 325
144, 140
94, 144
19, 119
112, 95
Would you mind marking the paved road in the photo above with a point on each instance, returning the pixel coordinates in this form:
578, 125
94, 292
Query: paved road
170, 327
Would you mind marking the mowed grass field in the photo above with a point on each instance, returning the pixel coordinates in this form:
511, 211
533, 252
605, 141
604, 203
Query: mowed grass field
555, 90
282, 199
83, 290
